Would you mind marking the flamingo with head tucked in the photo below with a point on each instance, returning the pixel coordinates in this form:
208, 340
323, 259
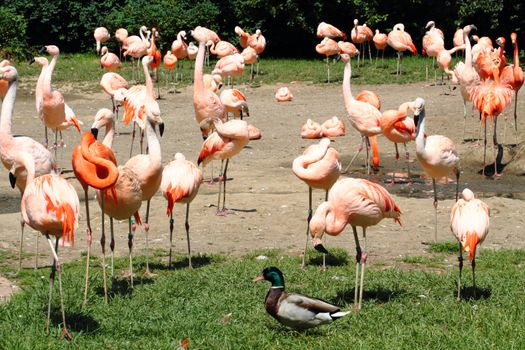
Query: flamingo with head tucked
400, 41
101, 36
513, 75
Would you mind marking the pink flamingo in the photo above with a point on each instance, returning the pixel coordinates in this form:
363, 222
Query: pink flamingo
465, 74
205, 102
148, 167
283, 94
110, 83
325, 30
436, 154
243, 36
398, 128
348, 48
458, 39
380, 43
137, 47
257, 41
121, 35
227, 140
400, 41
482, 44
469, 222
361, 35
444, 59
170, 63
364, 117
179, 48
50, 205
56, 114
140, 102
333, 127
180, 183
101, 36
39, 91
230, 66
212, 82
357, 202
311, 130
513, 75
108, 60
327, 47
222, 48
234, 102
250, 56
433, 43
94, 165
319, 167
369, 97
193, 50
126, 194
43, 160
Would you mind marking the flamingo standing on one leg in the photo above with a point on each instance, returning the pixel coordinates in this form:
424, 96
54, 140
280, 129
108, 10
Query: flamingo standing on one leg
357, 202
250, 56
50, 205
465, 74
170, 63
43, 160
125, 196
121, 35
137, 47
469, 222
227, 140
180, 183
364, 117
56, 114
101, 36
325, 30
179, 48
513, 75
94, 164
436, 154
433, 42
362, 35
156, 54
319, 167
400, 41
327, 47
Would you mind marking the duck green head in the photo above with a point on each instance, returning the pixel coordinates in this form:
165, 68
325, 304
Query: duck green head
273, 275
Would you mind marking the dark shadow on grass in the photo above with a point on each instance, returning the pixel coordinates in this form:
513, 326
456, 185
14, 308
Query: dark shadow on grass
277, 328
122, 286
331, 260
467, 293
380, 295
196, 262
76, 322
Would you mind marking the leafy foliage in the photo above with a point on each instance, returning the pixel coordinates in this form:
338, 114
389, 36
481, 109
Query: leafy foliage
12, 34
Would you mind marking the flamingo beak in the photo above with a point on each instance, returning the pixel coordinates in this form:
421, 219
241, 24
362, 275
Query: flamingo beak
12, 180
42, 50
320, 248
161, 129
32, 60
258, 278
94, 131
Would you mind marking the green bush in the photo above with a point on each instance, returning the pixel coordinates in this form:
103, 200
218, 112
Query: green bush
12, 34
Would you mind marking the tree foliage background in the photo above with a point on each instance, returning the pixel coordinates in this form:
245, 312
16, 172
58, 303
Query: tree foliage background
288, 25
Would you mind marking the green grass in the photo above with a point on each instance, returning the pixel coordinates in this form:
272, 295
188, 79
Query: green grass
402, 309
445, 247
84, 71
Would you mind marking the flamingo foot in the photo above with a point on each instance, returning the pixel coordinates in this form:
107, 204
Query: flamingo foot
65, 334
356, 308
149, 274
364, 256
223, 212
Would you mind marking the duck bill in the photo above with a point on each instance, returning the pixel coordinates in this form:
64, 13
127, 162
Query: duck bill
258, 278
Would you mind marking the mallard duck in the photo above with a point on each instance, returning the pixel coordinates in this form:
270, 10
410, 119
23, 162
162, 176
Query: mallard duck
295, 310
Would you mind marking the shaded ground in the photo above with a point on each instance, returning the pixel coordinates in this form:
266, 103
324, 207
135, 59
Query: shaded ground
269, 203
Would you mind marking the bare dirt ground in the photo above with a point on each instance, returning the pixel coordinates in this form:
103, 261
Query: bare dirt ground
269, 203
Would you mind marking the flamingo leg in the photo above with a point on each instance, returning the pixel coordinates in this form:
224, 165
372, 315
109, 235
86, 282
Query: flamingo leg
355, 155
484, 149
460, 262
324, 254
146, 230
464, 118
220, 185
103, 246
474, 276
369, 51
494, 146
435, 210
132, 140
187, 227
457, 173
358, 257
45, 135
112, 247
65, 332
407, 158
130, 246
328, 69
51, 284
367, 162
171, 238
397, 159
89, 239
308, 218
363, 264
398, 63
36, 251
224, 179
516, 114
383, 58
22, 224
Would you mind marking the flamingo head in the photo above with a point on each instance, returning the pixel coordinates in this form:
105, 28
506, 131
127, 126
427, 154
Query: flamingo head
103, 117
430, 24
501, 41
467, 194
8, 73
468, 29
513, 37
356, 21
50, 49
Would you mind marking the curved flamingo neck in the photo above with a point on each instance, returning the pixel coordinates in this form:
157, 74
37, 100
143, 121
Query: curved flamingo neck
325, 220
468, 49
40, 82
28, 162
301, 163
149, 82
198, 84
8, 105
420, 137
100, 163
516, 55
